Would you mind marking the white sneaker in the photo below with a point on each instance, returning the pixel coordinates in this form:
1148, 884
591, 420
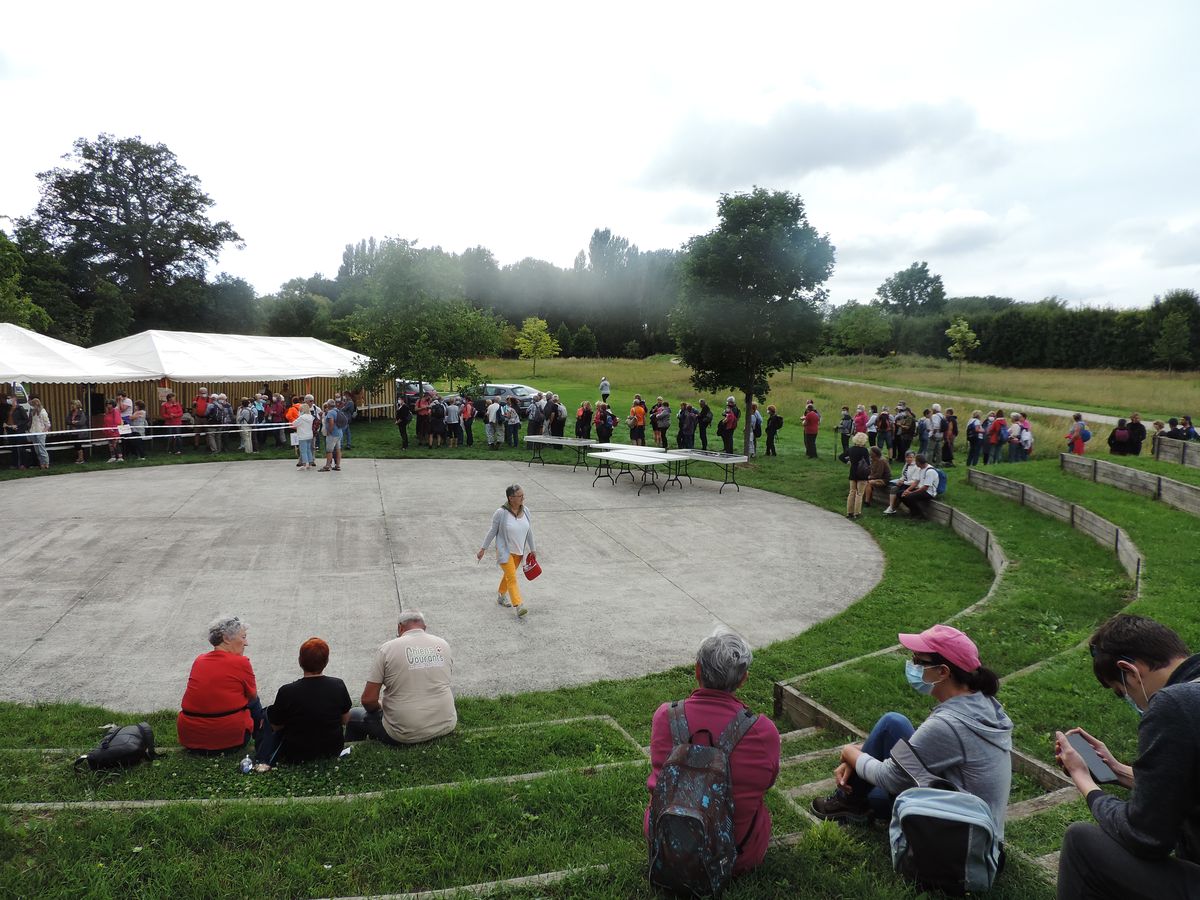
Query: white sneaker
522, 611
890, 511
502, 600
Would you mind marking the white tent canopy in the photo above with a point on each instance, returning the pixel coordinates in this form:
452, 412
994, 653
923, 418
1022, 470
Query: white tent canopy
196, 356
29, 357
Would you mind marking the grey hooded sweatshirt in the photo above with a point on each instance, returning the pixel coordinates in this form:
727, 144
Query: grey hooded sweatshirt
966, 740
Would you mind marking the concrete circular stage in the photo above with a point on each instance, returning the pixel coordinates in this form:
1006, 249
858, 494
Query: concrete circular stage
112, 576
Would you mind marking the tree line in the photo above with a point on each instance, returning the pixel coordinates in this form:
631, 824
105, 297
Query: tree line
121, 241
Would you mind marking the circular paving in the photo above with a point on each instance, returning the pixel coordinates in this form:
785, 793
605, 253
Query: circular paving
113, 575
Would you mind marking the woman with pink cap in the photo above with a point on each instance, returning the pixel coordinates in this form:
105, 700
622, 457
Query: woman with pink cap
966, 740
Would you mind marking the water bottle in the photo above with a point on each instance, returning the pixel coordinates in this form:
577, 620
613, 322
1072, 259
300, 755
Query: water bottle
247, 765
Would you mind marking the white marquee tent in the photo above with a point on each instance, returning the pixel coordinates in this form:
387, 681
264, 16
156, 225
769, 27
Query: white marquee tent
29, 357
197, 357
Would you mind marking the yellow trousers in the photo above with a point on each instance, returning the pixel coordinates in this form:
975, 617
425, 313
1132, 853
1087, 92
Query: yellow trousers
508, 582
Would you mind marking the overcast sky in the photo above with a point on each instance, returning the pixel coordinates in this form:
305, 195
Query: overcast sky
1023, 149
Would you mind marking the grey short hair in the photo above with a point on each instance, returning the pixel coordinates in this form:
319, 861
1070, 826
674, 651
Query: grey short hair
224, 628
410, 615
510, 490
723, 657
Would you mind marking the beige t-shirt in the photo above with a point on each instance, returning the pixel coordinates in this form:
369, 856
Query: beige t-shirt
417, 701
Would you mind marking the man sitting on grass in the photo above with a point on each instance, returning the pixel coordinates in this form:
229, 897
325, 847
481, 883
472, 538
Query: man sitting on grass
1128, 853
722, 666
407, 698
919, 492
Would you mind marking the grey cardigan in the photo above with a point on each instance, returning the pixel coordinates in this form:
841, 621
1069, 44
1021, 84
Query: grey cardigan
496, 533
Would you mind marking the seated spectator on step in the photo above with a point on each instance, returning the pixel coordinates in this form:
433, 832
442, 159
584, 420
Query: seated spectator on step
220, 709
722, 666
1146, 846
407, 698
308, 715
881, 474
1118, 440
920, 491
1174, 431
909, 474
967, 738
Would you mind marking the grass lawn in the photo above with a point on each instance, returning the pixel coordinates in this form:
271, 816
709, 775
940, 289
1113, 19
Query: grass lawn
1155, 394
1058, 586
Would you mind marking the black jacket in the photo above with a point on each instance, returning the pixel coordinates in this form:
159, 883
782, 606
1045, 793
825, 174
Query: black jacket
1163, 810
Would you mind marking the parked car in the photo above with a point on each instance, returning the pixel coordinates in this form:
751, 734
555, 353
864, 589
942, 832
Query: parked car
485, 393
411, 390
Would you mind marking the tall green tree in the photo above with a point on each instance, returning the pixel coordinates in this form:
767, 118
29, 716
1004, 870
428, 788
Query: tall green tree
133, 214
862, 328
535, 342
427, 340
913, 291
563, 336
15, 305
583, 343
750, 292
1172, 347
962, 341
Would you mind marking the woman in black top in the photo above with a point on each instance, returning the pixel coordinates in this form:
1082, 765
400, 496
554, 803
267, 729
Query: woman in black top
860, 473
308, 716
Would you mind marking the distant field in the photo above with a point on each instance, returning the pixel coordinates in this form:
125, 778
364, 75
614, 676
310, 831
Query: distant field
1155, 394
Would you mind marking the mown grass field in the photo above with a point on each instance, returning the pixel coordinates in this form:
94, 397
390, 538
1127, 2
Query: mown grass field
1156, 394
584, 813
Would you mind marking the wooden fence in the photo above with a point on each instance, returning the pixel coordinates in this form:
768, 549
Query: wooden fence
1080, 518
1170, 450
1176, 494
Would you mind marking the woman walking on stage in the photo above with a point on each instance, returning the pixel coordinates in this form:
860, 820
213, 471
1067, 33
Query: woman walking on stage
512, 531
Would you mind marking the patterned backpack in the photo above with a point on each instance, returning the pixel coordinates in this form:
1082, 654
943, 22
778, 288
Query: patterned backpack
691, 845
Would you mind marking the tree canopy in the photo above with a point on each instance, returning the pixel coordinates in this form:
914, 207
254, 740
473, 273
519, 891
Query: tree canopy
750, 292
913, 290
535, 342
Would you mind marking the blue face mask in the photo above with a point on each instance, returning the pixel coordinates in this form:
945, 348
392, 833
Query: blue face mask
916, 677
1137, 709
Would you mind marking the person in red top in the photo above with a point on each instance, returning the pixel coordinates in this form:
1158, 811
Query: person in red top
812, 427
220, 709
172, 416
992, 442
722, 666
860, 420
112, 424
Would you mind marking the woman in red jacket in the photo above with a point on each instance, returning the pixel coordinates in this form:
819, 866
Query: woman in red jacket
172, 416
722, 666
220, 709
112, 433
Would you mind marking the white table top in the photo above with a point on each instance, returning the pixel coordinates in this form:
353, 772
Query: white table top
638, 458
611, 446
550, 439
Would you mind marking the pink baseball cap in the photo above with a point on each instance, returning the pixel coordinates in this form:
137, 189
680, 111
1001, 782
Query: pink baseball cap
950, 643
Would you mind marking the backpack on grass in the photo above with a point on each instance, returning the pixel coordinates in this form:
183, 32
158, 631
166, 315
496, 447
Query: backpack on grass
942, 838
691, 811
120, 748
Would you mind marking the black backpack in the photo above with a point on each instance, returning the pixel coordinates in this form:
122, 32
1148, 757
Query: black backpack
691, 811
121, 748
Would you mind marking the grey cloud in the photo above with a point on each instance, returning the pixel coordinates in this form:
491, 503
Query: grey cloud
697, 214
1175, 248
806, 137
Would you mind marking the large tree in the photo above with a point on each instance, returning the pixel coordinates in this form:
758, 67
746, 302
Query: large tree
862, 328
133, 214
424, 340
913, 291
15, 305
750, 292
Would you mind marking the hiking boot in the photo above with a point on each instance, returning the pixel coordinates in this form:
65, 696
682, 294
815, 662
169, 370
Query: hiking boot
522, 612
839, 808
502, 600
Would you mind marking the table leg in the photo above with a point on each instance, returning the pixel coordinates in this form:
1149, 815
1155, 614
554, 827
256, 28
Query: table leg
537, 455
603, 470
581, 459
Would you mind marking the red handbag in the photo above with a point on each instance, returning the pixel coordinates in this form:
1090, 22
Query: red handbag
531, 567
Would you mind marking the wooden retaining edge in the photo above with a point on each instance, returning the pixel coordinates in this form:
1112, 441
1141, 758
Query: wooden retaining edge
1175, 494
803, 711
1099, 529
1171, 450
970, 531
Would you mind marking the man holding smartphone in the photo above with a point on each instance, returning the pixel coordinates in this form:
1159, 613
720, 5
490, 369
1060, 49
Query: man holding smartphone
1128, 853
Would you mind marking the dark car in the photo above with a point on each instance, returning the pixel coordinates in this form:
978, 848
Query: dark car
411, 390
483, 394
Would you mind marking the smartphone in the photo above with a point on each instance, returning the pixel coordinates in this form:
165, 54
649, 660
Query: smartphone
1101, 773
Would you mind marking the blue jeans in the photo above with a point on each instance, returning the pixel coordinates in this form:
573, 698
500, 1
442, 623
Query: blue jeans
974, 446
890, 728
366, 724
306, 452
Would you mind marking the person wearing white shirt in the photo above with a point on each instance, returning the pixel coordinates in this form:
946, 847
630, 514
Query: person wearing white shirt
921, 491
908, 475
